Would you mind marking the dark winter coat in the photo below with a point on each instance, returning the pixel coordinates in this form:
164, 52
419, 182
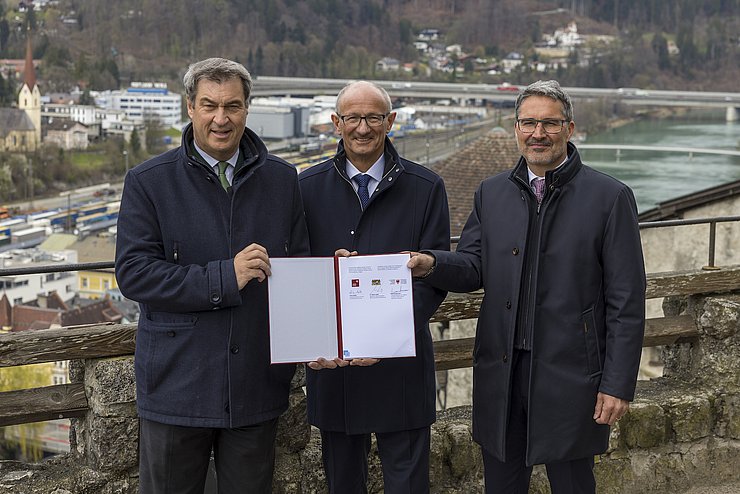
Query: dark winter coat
586, 306
407, 211
202, 347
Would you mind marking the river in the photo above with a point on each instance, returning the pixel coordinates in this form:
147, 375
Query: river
659, 176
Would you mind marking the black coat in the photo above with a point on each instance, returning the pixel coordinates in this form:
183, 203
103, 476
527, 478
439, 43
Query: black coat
586, 308
408, 211
202, 346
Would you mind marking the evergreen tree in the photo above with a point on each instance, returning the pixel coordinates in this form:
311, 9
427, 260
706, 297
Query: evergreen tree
135, 142
660, 47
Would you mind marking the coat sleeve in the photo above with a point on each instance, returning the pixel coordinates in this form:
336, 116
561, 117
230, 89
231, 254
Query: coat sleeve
144, 274
624, 298
435, 234
460, 271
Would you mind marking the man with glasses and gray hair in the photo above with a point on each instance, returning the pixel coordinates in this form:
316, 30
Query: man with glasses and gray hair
556, 246
369, 200
197, 227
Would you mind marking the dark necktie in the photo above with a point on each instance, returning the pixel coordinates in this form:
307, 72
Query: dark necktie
538, 184
222, 166
362, 180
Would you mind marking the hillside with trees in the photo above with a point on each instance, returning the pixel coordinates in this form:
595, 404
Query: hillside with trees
103, 45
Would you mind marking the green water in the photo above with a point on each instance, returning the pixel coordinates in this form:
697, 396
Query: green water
659, 176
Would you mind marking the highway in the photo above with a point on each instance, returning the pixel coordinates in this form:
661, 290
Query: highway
273, 86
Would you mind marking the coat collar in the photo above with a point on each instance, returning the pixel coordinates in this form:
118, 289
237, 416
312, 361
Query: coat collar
553, 178
252, 151
392, 160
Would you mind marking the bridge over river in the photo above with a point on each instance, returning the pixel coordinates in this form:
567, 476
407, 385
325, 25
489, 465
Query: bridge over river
668, 149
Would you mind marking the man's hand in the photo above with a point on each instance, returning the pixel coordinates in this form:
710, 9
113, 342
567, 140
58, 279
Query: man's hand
322, 363
345, 253
251, 262
609, 409
420, 264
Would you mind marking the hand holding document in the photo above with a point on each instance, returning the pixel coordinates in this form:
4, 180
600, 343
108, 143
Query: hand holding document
341, 307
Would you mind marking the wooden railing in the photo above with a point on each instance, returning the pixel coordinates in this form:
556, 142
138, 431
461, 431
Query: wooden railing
111, 340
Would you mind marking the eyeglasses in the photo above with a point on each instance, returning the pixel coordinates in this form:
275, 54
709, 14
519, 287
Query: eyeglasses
371, 120
551, 126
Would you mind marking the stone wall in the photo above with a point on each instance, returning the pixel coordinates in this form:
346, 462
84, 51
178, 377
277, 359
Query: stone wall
683, 430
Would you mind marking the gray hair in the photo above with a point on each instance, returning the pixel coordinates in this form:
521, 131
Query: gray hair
549, 89
383, 93
217, 70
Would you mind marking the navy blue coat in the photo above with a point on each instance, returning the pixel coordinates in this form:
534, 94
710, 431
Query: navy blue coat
408, 211
586, 306
202, 346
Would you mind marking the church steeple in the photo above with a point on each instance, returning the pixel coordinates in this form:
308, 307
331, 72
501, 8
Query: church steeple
29, 73
29, 98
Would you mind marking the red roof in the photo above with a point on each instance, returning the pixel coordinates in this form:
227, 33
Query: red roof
463, 172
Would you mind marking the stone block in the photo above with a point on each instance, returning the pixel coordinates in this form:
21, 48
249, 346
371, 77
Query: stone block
456, 463
464, 456
110, 386
613, 475
728, 416
293, 431
644, 426
111, 443
720, 318
690, 417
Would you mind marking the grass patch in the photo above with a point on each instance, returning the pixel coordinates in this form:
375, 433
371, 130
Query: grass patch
89, 161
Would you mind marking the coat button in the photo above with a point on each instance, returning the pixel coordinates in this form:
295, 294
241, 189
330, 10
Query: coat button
515, 251
508, 304
234, 349
215, 298
171, 334
506, 358
351, 232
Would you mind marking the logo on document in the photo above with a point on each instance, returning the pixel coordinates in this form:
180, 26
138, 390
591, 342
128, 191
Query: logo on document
355, 283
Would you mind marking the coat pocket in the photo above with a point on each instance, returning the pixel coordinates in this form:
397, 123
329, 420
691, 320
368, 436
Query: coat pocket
165, 341
591, 341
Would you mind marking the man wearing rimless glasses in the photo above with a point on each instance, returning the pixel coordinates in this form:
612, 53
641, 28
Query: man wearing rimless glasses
556, 246
370, 200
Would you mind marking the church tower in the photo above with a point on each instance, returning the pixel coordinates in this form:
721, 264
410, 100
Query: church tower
29, 99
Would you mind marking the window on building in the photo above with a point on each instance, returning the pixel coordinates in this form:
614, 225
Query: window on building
18, 300
84, 282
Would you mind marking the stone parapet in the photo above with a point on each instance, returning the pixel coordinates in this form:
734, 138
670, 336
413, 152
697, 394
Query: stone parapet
682, 431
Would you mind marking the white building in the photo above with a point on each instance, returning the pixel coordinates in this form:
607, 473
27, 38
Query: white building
145, 101
25, 288
84, 114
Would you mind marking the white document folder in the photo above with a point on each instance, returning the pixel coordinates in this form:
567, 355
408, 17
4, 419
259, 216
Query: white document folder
347, 307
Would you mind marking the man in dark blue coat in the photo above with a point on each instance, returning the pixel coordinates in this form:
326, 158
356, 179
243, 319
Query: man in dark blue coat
556, 245
369, 200
196, 229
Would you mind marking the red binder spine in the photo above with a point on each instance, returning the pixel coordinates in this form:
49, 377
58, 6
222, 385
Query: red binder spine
338, 305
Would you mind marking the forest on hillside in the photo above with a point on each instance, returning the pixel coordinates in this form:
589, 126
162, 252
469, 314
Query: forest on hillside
103, 45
